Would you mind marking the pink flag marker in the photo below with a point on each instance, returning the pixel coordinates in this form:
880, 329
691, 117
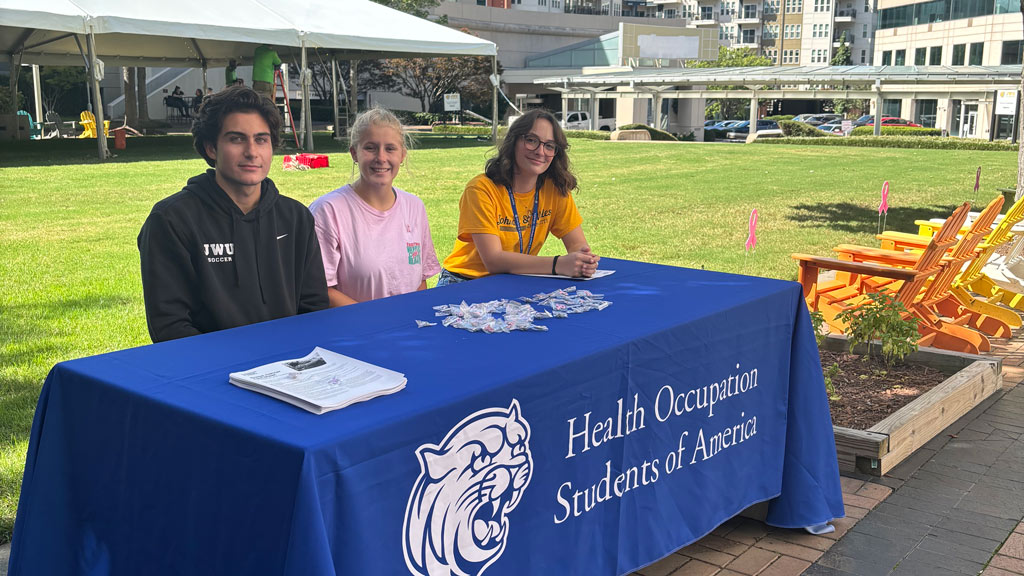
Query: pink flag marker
752, 231
884, 206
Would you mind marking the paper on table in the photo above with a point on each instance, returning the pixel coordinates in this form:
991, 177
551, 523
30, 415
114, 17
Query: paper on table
321, 381
597, 274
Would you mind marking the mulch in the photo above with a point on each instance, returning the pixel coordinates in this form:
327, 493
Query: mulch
866, 390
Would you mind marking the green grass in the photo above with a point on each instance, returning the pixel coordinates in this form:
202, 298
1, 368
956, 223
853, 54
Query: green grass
70, 269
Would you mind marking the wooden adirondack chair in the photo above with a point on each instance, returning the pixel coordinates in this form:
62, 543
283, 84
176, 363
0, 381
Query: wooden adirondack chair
937, 307
986, 313
910, 286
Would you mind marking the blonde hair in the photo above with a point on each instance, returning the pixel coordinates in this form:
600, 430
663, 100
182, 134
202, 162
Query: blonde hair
380, 117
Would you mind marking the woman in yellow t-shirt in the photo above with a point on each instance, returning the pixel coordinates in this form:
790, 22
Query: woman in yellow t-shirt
505, 213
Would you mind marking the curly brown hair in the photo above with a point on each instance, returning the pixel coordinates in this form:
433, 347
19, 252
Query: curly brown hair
501, 167
216, 107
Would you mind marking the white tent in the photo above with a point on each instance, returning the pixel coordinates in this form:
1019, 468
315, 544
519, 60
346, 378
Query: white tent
204, 33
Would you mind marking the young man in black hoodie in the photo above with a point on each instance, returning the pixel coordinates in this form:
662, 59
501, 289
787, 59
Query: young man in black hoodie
229, 250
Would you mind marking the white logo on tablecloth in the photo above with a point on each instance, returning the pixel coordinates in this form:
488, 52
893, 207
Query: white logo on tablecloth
456, 521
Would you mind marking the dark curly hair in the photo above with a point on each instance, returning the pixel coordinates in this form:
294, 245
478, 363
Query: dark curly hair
501, 167
207, 126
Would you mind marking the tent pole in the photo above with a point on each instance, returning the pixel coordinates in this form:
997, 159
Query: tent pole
302, 101
38, 96
494, 99
101, 137
307, 112
334, 95
353, 107
206, 84
15, 67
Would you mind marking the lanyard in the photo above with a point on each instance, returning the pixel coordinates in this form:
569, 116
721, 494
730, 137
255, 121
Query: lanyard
533, 220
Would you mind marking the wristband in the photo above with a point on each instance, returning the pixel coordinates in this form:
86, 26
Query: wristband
553, 263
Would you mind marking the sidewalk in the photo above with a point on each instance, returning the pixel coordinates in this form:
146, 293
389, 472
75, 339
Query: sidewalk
953, 508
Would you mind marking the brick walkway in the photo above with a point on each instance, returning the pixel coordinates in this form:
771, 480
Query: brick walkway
953, 508
742, 546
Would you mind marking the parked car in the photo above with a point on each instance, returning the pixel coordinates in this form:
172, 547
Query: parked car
819, 119
893, 121
863, 120
803, 117
725, 125
581, 121
832, 128
764, 128
710, 123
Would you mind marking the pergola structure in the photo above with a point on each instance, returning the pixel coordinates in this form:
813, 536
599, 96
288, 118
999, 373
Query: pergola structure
786, 82
201, 33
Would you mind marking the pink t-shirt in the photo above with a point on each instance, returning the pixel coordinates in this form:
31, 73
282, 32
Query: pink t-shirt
371, 254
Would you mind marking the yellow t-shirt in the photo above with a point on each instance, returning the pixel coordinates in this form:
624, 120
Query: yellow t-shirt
485, 209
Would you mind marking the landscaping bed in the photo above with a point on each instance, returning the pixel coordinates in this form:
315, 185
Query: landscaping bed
929, 391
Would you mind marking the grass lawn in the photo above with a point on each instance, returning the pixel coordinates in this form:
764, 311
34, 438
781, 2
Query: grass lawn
69, 267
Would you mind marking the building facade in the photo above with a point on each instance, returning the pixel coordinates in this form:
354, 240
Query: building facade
950, 33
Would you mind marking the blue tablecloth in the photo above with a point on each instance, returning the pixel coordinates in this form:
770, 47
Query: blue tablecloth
594, 448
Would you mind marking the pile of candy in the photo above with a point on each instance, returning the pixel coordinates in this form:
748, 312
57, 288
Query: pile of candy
508, 315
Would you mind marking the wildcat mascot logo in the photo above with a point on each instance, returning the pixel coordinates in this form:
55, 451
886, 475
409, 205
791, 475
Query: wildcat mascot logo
456, 521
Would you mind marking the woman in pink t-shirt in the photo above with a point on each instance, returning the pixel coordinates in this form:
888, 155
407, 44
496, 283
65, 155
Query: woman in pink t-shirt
374, 238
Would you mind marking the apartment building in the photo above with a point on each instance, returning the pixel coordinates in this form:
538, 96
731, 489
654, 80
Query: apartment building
950, 33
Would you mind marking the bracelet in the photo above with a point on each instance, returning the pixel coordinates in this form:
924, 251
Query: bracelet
553, 263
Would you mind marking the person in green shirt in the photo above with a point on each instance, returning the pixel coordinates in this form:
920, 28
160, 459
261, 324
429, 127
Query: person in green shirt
264, 61
230, 73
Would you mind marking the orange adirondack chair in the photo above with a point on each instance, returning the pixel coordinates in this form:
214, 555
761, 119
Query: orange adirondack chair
910, 285
986, 313
937, 301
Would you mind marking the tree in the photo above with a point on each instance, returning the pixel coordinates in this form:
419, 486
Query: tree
429, 79
143, 95
843, 55
414, 7
60, 83
131, 102
729, 58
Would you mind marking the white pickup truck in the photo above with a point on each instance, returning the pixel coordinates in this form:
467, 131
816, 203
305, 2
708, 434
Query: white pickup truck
581, 121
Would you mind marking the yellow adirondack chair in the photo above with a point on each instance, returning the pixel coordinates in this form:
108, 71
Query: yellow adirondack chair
88, 122
973, 278
909, 284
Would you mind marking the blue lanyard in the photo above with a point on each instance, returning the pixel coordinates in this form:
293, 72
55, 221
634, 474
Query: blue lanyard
533, 220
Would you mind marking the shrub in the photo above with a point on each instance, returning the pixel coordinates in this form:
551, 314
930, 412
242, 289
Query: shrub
925, 142
589, 134
882, 318
780, 117
790, 128
896, 131
486, 131
654, 132
712, 135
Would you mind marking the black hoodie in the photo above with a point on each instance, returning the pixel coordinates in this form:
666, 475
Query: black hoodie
206, 266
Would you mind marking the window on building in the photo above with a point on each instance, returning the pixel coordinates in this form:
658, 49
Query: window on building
863, 56
920, 56
706, 14
900, 58
750, 11
925, 111
935, 56
959, 51
977, 49
748, 36
1012, 52
887, 58
867, 5
892, 108
864, 31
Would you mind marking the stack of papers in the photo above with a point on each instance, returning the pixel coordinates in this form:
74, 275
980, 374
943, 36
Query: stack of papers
321, 381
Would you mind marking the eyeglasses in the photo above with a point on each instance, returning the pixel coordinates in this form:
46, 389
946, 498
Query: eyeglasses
532, 143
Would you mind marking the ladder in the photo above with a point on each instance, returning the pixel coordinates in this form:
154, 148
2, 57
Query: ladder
279, 81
